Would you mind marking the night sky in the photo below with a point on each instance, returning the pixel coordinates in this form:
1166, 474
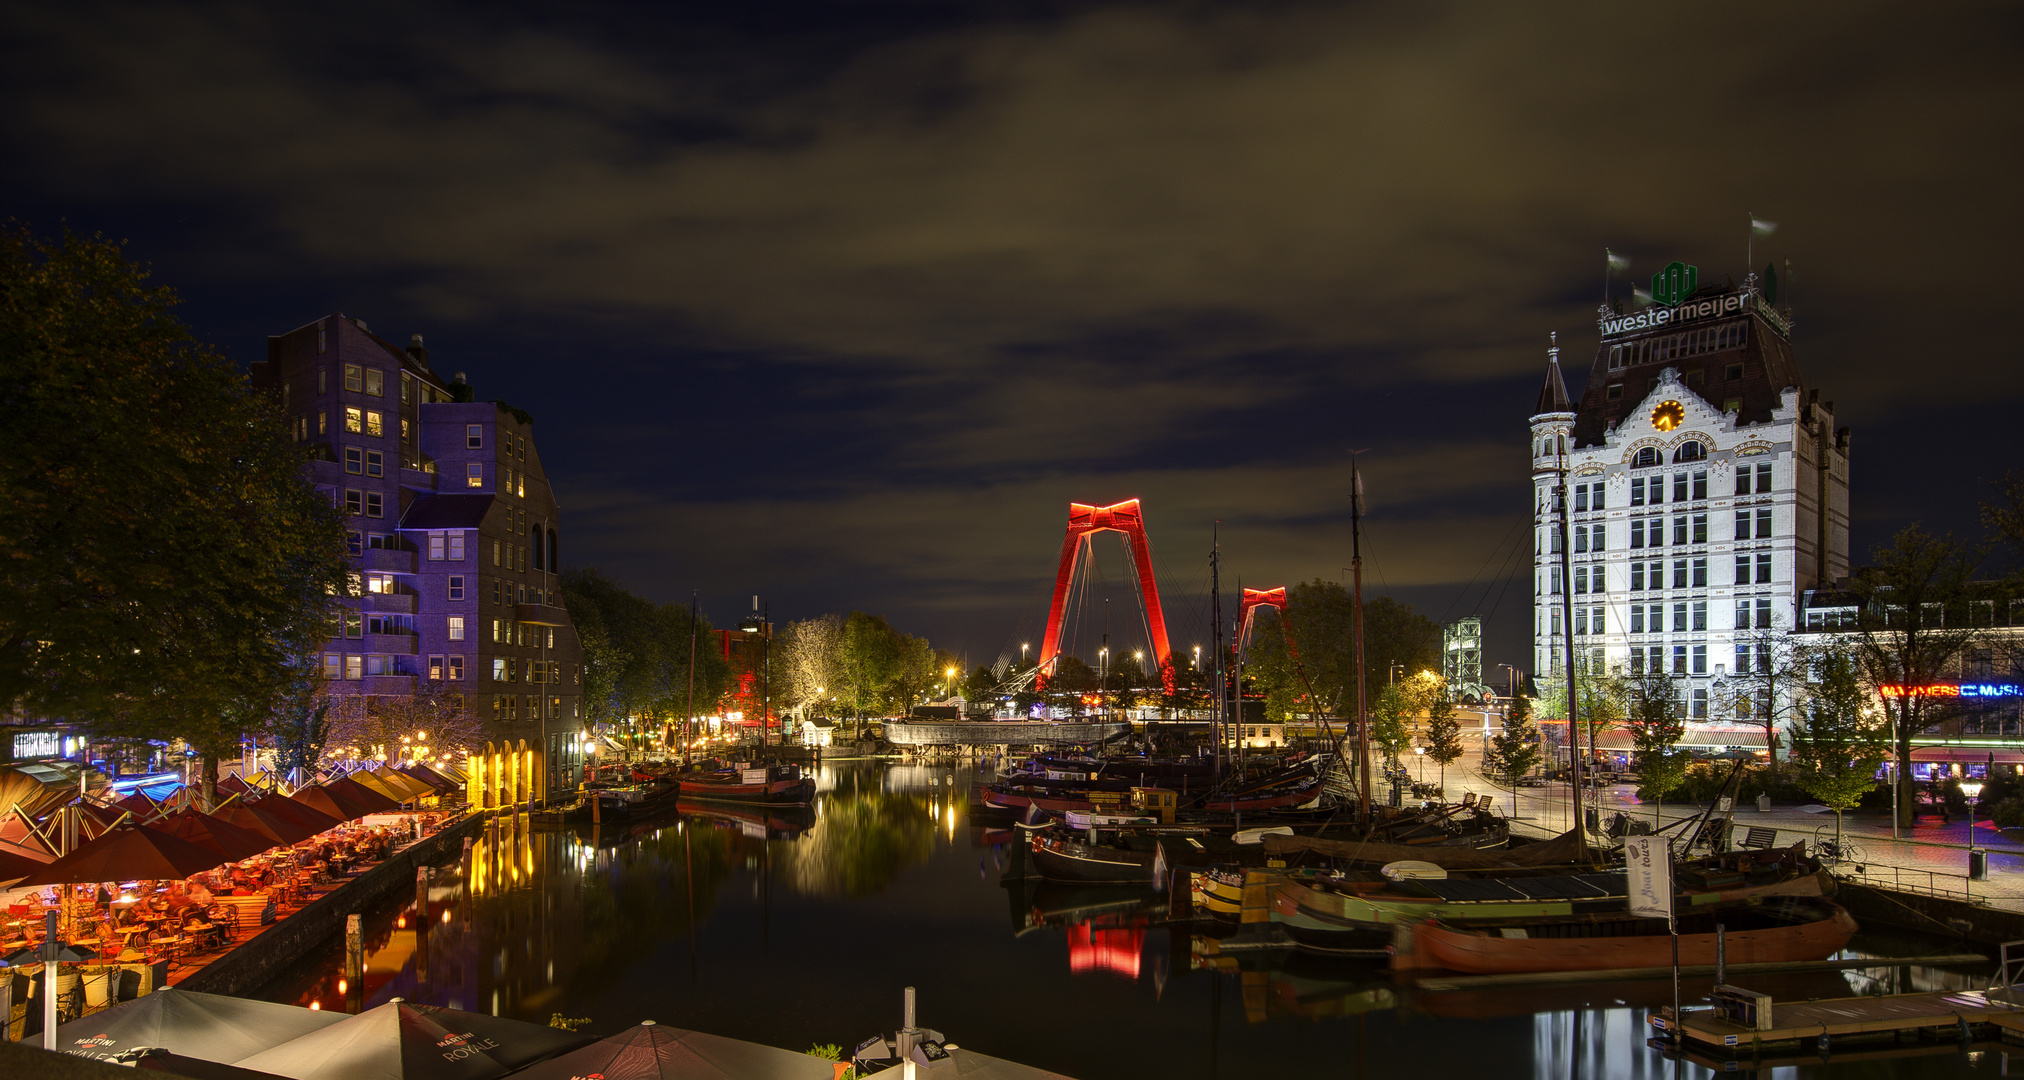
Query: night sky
843, 303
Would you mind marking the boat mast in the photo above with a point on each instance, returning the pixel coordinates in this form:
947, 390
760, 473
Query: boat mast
689, 711
1237, 691
1562, 508
1216, 635
1356, 575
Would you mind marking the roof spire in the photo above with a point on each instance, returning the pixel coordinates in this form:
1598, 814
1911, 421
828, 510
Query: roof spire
1553, 396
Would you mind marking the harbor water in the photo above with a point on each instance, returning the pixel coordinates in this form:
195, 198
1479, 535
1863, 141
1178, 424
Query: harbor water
799, 929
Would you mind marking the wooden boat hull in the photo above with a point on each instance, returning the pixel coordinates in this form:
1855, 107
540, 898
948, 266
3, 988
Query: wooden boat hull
1796, 929
789, 792
1001, 732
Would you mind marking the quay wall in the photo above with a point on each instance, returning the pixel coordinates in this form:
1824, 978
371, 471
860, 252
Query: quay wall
1926, 914
259, 959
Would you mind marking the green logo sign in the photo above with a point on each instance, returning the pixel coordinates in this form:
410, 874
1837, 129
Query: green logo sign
1675, 283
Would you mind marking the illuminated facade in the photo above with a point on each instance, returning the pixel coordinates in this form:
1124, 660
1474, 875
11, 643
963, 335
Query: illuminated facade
1707, 488
455, 532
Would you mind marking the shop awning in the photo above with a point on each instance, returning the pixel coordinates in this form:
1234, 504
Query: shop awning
1968, 755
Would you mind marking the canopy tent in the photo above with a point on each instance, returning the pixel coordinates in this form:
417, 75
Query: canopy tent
129, 853
398, 1040
15, 865
139, 805
36, 788
433, 777
372, 800
194, 1068
654, 1052
408, 786
1968, 755
209, 1026
340, 805
371, 782
258, 817
210, 830
232, 784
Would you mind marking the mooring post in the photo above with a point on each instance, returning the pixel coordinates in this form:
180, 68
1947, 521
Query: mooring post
422, 893
354, 960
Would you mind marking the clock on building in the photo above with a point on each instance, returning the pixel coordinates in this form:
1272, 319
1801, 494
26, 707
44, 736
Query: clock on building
1668, 415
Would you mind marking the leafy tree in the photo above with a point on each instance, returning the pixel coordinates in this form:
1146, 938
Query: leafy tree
1444, 733
1841, 742
1321, 616
636, 656
1905, 636
164, 565
1514, 752
1656, 722
1771, 687
394, 727
301, 724
982, 685
1388, 715
809, 663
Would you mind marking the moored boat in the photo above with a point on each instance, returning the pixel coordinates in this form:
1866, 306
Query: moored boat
761, 783
1780, 929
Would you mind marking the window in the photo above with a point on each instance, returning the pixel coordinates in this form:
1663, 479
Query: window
1637, 491
456, 628
355, 542
1763, 613
1679, 618
1581, 539
474, 436
1742, 569
495, 553
1742, 524
1742, 623
1700, 615
379, 583
523, 560
1679, 659
1764, 523
454, 672
1554, 575
1742, 658
333, 665
1580, 621
1581, 579
1595, 626
322, 422
1637, 532
1742, 479
1764, 568
499, 673
1733, 372
436, 668
1595, 534
457, 545
1637, 661
1637, 576
1613, 392
521, 441
1595, 579
1596, 501
436, 546
383, 624
375, 463
354, 501
1691, 450
404, 430
1700, 705
375, 382
375, 424
354, 667
375, 504
455, 587
1556, 622
1700, 529
1700, 568
1645, 458
1679, 487
1701, 668
1581, 497
1764, 478
354, 420
1700, 484
496, 631
354, 460
1680, 531
354, 378
1637, 618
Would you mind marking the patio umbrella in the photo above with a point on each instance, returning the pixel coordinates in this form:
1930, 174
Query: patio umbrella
129, 853
139, 805
371, 782
233, 785
397, 1041
432, 777
210, 1026
655, 1052
214, 832
309, 816
257, 817
191, 1068
408, 786
373, 801
15, 865
341, 806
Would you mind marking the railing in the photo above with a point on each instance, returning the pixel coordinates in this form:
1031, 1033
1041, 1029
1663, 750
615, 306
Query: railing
1908, 879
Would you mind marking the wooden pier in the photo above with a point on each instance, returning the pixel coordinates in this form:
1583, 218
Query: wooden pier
1953, 1016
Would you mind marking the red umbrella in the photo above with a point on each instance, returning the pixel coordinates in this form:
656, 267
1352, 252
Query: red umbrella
15, 865
132, 853
377, 802
214, 832
259, 817
300, 812
431, 777
325, 801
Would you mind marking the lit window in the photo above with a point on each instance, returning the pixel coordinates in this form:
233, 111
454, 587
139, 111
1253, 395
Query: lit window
354, 666
455, 585
436, 668
495, 553
474, 475
375, 382
505, 480
333, 665
379, 583
457, 546
375, 424
436, 546
375, 463
375, 504
378, 665
407, 388
354, 459
457, 626
474, 436
354, 380
499, 673
354, 420
404, 430
322, 422
455, 671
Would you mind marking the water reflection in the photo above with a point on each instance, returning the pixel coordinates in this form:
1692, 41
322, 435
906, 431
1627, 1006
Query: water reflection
794, 927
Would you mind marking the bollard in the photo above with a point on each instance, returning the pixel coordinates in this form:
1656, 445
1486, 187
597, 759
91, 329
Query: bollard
50, 945
354, 947
422, 893
906, 1034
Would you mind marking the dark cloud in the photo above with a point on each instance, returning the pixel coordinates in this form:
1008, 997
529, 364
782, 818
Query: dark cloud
852, 298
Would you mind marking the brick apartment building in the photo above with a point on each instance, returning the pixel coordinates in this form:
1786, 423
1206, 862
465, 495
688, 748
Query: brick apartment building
455, 530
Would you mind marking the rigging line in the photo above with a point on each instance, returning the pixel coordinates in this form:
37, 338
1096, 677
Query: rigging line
1510, 574
1514, 543
1463, 594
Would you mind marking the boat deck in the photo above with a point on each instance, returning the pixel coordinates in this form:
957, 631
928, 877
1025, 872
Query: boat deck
1957, 1012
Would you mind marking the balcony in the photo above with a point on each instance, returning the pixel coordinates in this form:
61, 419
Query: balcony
417, 479
388, 559
393, 685
540, 614
390, 603
403, 644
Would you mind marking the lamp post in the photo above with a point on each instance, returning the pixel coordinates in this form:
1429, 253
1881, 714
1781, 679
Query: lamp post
948, 682
1420, 752
1978, 861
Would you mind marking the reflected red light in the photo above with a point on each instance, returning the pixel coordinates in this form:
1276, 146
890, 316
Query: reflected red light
1115, 951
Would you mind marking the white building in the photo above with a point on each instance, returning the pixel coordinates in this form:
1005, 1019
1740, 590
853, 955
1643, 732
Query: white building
1708, 490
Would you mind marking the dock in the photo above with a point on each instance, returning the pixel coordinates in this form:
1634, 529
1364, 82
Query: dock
1954, 1016
1555, 978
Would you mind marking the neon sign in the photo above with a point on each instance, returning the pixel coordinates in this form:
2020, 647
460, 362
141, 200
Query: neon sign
1955, 690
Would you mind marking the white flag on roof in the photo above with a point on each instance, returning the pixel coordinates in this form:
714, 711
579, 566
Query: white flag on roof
1761, 227
1616, 262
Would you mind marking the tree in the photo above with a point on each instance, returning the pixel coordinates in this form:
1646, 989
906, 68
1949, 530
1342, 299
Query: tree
1656, 722
1841, 742
1320, 615
1444, 733
1388, 716
810, 662
1767, 684
164, 564
1906, 639
301, 724
430, 723
1514, 752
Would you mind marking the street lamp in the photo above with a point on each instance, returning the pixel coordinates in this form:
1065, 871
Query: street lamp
1420, 752
948, 682
1978, 861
